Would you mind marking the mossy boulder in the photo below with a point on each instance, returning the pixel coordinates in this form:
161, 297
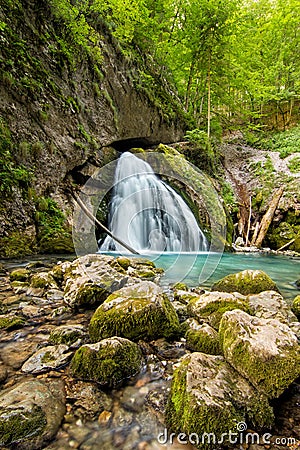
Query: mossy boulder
208, 398
265, 351
246, 282
271, 305
140, 311
43, 280
19, 275
202, 338
67, 334
90, 279
110, 362
31, 414
296, 306
10, 321
211, 306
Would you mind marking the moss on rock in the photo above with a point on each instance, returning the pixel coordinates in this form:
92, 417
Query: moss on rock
31, 413
109, 362
141, 311
202, 338
67, 334
265, 351
209, 398
296, 306
17, 244
18, 426
246, 282
211, 306
19, 275
42, 280
10, 322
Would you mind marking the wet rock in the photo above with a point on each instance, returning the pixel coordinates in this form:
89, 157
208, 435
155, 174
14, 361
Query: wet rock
246, 282
271, 305
31, 413
54, 295
141, 311
3, 372
50, 357
181, 310
133, 399
296, 306
87, 400
68, 334
29, 311
168, 350
19, 275
109, 362
208, 396
211, 306
43, 280
15, 353
265, 351
202, 338
10, 321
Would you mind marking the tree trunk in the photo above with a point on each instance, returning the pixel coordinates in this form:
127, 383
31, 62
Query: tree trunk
208, 97
268, 217
189, 85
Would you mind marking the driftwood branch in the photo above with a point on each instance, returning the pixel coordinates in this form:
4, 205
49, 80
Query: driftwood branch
268, 217
97, 222
288, 244
249, 221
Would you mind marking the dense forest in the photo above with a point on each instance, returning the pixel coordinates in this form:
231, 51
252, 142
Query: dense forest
231, 62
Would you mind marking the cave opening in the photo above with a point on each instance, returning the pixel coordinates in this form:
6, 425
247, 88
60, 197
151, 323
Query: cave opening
126, 144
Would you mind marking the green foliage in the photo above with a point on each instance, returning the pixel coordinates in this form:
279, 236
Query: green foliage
229, 198
11, 174
198, 137
294, 164
285, 143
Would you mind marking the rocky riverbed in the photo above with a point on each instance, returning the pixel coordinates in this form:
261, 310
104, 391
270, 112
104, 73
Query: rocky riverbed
95, 355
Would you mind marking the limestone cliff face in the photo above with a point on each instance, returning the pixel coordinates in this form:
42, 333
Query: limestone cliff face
61, 108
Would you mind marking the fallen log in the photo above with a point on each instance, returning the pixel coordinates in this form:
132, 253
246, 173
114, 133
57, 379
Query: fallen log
97, 222
268, 217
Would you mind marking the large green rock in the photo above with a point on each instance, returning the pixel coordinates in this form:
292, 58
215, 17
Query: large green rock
141, 311
265, 351
202, 338
109, 362
209, 398
19, 275
90, 279
211, 306
31, 413
246, 282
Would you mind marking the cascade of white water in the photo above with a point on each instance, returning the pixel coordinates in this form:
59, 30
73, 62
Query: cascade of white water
148, 214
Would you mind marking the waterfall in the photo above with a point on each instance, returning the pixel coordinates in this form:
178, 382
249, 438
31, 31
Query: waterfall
148, 214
